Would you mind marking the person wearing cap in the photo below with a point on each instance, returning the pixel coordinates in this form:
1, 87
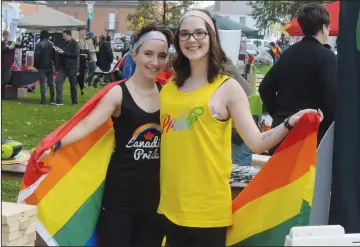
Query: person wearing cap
7, 60
44, 60
92, 57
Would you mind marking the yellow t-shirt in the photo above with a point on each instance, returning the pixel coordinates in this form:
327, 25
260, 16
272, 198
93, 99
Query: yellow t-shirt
195, 158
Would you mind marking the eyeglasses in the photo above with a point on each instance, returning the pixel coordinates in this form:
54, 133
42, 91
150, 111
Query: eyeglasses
198, 35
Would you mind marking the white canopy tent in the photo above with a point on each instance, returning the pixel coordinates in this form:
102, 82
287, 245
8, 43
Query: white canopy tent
50, 19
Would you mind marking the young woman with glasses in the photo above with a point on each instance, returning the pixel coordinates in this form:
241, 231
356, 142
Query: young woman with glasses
197, 108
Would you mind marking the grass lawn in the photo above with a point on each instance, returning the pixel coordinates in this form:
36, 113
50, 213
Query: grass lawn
26, 121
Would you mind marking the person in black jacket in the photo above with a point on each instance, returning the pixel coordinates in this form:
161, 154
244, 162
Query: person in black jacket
105, 57
69, 66
306, 74
44, 62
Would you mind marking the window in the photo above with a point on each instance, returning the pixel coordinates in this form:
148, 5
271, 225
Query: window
267, 44
242, 20
111, 25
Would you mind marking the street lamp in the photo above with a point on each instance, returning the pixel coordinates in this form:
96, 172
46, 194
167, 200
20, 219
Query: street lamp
90, 13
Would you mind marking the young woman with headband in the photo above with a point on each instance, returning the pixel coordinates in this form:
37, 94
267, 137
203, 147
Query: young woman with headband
197, 108
132, 190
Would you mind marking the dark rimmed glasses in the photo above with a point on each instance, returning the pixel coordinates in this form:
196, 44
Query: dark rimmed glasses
198, 35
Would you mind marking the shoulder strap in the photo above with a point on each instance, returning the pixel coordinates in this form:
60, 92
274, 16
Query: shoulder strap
158, 86
212, 87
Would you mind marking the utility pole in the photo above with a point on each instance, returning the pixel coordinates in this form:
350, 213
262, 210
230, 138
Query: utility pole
90, 13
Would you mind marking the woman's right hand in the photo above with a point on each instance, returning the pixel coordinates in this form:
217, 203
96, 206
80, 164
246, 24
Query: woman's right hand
294, 118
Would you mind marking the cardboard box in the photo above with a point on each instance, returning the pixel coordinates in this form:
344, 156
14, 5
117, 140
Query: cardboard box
15, 93
12, 212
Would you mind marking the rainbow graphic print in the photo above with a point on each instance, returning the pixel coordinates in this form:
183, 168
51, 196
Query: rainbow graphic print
145, 127
67, 187
145, 142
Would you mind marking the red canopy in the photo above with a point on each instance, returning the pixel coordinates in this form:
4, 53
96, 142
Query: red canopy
334, 12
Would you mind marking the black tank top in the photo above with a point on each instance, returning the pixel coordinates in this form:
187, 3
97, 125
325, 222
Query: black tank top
132, 180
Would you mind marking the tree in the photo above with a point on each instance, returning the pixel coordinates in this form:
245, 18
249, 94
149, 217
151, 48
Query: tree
269, 12
162, 12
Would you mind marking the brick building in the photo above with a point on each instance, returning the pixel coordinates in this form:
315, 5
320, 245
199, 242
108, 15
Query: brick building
109, 17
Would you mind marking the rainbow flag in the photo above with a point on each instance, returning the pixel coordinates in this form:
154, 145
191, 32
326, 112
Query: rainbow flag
67, 187
280, 195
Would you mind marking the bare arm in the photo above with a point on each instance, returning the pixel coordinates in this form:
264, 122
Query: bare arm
239, 110
104, 109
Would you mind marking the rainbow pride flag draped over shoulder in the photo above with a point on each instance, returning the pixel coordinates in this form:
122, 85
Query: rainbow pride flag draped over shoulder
67, 187
280, 195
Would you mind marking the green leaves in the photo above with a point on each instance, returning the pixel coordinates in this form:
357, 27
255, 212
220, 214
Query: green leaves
162, 12
268, 12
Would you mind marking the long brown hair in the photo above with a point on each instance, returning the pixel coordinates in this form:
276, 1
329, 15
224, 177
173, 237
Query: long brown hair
216, 58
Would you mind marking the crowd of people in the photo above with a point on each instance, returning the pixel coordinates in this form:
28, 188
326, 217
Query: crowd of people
72, 62
184, 192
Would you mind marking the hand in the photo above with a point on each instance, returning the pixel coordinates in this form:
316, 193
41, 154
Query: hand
294, 118
11, 46
60, 51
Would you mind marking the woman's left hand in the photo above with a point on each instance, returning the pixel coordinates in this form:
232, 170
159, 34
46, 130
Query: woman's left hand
294, 118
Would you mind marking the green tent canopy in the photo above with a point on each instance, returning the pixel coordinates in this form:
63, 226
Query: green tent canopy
224, 23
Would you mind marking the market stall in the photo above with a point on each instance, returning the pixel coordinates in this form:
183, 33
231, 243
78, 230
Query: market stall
24, 74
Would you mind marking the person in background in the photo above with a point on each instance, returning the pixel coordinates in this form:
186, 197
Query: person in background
274, 51
7, 60
44, 60
69, 66
95, 40
84, 55
129, 63
306, 74
129, 66
327, 46
104, 60
92, 58
126, 47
